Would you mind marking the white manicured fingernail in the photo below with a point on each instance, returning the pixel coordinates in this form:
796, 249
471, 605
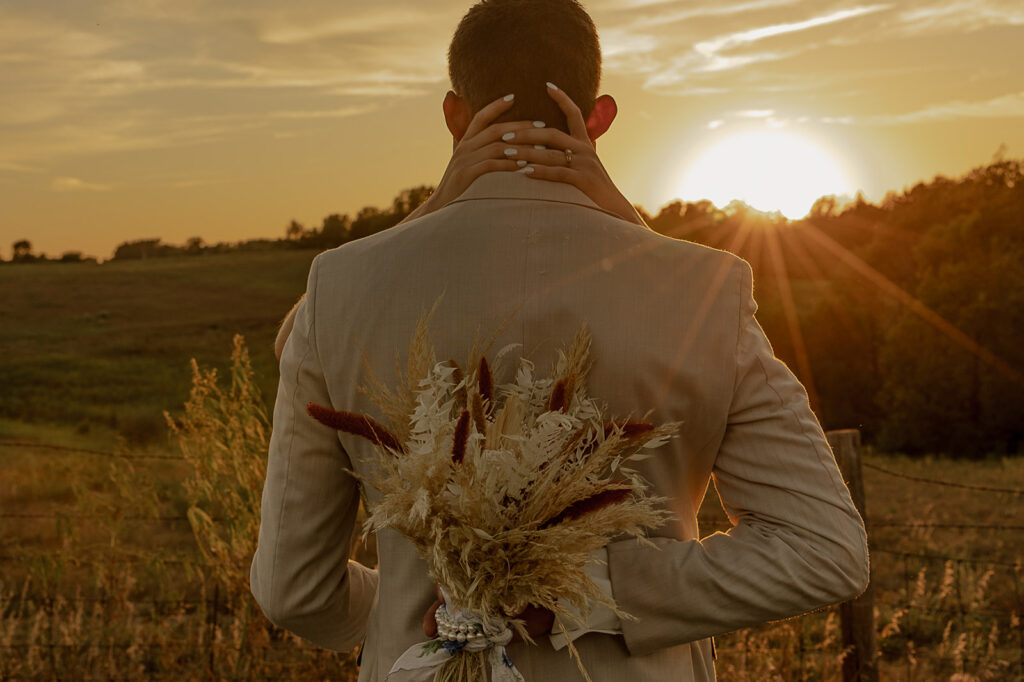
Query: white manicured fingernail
511, 151
552, 85
509, 98
539, 124
508, 136
526, 171
539, 146
521, 162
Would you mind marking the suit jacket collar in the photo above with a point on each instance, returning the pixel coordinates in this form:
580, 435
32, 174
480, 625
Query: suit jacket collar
511, 185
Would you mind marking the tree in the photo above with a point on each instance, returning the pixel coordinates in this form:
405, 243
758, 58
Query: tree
22, 251
409, 200
140, 249
295, 230
954, 373
194, 244
335, 230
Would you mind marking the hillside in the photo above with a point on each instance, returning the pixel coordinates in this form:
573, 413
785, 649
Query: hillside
108, 346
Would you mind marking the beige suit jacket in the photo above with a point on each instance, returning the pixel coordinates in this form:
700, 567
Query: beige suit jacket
673, 330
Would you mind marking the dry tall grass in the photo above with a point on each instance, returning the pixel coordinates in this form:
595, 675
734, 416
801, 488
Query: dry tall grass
138, 611
138, 568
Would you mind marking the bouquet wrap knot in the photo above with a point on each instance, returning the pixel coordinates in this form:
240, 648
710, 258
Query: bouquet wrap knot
458, 631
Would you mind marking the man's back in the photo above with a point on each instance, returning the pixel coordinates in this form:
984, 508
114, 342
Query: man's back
531, 262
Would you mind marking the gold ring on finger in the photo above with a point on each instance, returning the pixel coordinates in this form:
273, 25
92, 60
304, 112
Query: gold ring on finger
568, 157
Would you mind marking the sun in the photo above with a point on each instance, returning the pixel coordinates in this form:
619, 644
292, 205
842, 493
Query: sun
770, 170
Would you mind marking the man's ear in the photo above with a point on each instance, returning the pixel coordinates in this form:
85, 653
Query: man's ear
457, 115
601, 117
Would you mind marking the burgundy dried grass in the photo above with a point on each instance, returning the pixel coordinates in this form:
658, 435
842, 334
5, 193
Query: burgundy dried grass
355, 424
485, 380
461, 437
557, 401
591, 504
630, 429
477, 407
457, 377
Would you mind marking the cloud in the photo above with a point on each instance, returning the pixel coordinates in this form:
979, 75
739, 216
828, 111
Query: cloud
342, 112
720, 9
718, 53
389, 20
962, 16
144, 74
66, 184
1006, 106
733, 40
123, 75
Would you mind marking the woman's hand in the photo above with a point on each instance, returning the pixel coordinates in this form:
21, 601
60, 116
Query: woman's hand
579, 167
481, 150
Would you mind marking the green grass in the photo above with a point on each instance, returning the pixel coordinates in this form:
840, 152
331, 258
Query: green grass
108, 346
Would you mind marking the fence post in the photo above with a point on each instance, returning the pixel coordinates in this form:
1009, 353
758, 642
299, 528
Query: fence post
857, 617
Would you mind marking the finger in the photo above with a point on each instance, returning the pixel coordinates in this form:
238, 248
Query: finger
552, 138
573, 115
485, 116
429, 622
505, 132
492, 166
496, 150
547, 157
556, 173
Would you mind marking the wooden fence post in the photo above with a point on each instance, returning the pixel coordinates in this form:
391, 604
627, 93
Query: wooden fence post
858, 616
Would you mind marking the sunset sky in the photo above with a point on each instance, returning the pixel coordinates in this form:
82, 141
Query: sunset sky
129, 119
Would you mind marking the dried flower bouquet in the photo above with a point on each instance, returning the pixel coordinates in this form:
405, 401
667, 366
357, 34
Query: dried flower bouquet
505, 491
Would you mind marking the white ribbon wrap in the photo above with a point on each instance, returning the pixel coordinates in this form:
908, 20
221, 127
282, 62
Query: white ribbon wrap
419, 663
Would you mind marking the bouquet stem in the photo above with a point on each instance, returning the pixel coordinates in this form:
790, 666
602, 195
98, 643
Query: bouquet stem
465, 666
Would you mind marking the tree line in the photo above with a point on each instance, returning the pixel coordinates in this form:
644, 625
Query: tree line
335, 230
902, 318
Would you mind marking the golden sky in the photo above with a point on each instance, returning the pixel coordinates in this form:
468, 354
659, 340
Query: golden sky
129, 119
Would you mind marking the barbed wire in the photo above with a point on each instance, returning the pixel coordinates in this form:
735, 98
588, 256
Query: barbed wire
93, 517
909, 606
50, 600
935, 481
956, 526
65, 448
940, 557
77, 561
703, 522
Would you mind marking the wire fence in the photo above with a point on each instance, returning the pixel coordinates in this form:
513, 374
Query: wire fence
948, 484
872, 523
1013, 614
65, 449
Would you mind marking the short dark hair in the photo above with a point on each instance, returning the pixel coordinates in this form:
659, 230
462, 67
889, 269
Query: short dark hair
517, 46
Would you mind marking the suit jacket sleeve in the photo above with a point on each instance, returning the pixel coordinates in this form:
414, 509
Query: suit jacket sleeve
797, 543
301, 576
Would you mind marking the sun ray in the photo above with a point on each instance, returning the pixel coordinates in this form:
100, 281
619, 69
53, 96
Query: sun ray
803, 361
799, 251
915, 306
703, 309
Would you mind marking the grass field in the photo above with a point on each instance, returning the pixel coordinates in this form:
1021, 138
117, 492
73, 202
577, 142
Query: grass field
108, 346
104, 575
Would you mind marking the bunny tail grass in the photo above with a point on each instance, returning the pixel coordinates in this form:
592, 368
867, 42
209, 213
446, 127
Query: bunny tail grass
355, 424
